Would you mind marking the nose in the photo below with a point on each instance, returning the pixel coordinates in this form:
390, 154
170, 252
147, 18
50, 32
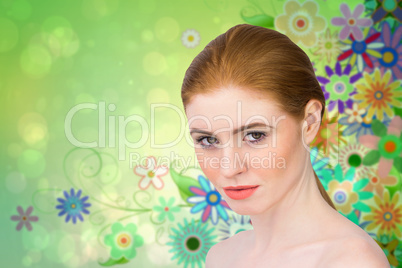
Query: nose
233, 161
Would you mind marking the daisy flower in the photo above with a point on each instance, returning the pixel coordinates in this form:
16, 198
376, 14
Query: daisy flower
190, 38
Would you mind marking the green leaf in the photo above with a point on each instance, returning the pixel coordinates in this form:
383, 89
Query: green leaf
357, 186
371, 158
350, 174
262, 20
183, 183
379, 129
361, 206
112, 262
365, 195
398, 163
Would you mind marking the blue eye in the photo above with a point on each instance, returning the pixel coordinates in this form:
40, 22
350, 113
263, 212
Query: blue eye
207, 142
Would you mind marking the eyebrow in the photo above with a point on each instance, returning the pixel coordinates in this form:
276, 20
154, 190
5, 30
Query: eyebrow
242, 128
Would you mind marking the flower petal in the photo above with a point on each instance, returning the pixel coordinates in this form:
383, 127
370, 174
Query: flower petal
370, 141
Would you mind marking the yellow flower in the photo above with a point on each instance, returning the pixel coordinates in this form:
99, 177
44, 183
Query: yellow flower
387, 215
379, 94
342, 195
301, 22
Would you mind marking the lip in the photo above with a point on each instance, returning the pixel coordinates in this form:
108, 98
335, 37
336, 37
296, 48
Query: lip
240, 192
240, 187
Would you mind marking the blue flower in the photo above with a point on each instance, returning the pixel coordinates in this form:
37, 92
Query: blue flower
209, 199
73, 206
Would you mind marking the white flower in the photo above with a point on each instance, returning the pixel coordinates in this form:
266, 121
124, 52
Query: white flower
190, 38
355, 114
151, 174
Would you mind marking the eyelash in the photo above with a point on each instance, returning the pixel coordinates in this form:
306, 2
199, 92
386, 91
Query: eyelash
263, 136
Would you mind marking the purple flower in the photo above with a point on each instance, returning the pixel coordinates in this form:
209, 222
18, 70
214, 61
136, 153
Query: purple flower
338, 87
351, 22
24, 218
391, 53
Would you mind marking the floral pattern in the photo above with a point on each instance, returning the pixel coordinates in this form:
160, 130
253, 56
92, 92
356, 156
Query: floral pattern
386, 215
339, 86
24, 218
391, 53
151, 174
386, 145
345, 192
301, 22
73, 205
166, 209
209, 200
328, 46
378, 94
359, 51
351, 22
190, 38
123, 241
191, 242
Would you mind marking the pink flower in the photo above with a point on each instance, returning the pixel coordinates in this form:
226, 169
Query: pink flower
24, 218
151, 174
351, 22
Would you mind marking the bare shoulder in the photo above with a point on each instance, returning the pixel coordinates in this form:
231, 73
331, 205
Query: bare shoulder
220, 250
356, 251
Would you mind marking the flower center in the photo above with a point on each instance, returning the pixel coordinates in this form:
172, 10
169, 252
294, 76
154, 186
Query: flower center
390, 146
213, 198
355, 160
192, 243
389, 57
190, 38
123, 240
340, 196
24, 218
73, 205
359, 47
166, 209
151, 174
378, 95
374, 179
351, 22
328, 45
387, 216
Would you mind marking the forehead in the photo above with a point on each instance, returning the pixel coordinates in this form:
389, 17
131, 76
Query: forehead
234, 104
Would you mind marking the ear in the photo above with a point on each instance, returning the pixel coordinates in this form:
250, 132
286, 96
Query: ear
311, 121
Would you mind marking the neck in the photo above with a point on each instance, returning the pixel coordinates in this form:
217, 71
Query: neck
295, 219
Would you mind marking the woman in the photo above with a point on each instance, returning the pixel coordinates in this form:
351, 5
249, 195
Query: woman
254, 106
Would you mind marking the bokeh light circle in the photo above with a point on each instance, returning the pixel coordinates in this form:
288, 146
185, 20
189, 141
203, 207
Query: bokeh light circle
38, 239
35, 61
16, 182
31, 163
154, 63
32, 128
166, 29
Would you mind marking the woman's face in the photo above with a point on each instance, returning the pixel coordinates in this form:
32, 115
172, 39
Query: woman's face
269, 154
